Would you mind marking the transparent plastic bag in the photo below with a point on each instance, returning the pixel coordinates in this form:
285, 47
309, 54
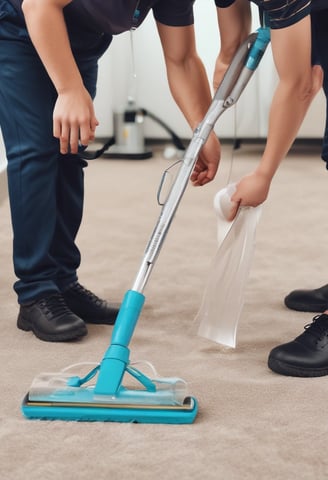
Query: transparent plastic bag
223, 297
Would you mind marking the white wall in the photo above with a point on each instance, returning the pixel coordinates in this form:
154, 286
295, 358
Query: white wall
3, 159
247, 119
152, 92
3, 163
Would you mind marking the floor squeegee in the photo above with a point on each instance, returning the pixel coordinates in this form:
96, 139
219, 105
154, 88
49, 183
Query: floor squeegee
100, 395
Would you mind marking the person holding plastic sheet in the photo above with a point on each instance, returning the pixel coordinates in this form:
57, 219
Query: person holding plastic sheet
290, 27
307, 355
49, 51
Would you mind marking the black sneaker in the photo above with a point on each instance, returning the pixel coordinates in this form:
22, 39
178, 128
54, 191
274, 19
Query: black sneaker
51, 320
308, 300
89, 307
307, 355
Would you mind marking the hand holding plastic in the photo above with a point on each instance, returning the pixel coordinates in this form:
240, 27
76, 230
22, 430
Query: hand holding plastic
223, 298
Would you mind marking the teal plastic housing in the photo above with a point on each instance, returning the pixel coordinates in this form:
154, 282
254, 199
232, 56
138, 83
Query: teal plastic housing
131, 413
258, 48
116, 358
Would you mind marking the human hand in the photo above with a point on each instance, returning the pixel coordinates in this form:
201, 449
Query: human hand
207, 162
251, 191
74, 120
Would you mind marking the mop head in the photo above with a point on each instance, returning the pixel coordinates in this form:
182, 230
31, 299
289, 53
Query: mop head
63, 396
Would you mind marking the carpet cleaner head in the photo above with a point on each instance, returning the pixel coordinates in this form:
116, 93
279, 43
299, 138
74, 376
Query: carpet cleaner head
64, 396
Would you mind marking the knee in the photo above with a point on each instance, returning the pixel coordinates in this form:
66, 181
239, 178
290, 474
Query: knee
304, 87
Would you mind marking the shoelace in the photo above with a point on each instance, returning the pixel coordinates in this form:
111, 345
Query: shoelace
318, 328
54, 305
79, 289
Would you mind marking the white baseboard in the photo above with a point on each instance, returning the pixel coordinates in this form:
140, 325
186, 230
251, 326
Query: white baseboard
3, 185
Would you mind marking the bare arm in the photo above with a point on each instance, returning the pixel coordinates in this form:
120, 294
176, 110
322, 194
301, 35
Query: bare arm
298, 84
190, 88
234, 26
74, 116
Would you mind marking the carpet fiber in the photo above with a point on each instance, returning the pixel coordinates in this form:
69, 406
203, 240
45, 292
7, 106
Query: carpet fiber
252, 423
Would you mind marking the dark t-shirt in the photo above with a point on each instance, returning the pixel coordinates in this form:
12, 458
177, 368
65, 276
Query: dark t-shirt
117, 16
317, 5
280, 13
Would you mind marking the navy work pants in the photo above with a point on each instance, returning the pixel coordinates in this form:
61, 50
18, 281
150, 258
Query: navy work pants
320, 56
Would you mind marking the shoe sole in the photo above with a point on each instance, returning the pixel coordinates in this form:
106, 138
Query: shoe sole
106, 321
292, 371
302, 307
25, 325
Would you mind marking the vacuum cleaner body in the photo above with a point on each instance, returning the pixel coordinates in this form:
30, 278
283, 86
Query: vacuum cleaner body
128, 141
129, 135
160, 400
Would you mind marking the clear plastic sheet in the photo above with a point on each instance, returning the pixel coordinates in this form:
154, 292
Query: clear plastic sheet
223, 298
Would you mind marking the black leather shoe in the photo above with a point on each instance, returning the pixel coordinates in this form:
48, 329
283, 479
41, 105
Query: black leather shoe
307, 355
50, 320
89, 307
308, 300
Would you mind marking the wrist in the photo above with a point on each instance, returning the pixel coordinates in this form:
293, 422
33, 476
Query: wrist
265, 173
73, 85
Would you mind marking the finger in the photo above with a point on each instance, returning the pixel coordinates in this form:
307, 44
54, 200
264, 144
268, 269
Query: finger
211, 171
85, 134
74, 139
194, 176
93, 125
195, 173
64, 138
202, 179
233, 210
197, 180
56, 128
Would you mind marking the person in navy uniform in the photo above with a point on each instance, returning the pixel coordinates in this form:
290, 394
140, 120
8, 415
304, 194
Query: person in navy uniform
307, 355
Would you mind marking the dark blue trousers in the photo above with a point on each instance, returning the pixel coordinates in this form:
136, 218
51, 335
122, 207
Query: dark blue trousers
45, 187
320, 56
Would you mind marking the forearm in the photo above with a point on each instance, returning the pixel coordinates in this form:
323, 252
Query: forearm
190, 88
296, 88
298, 83
286, 115
234, 24
186, 74
47, 29
74, 119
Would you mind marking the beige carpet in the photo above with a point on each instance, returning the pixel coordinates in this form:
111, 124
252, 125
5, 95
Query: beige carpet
252, 423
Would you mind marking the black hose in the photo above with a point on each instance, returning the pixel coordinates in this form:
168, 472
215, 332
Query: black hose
175, 139
89, 155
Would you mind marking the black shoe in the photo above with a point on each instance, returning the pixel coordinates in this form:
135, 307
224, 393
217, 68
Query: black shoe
307, 355
50, 319
308, 300
89, 307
